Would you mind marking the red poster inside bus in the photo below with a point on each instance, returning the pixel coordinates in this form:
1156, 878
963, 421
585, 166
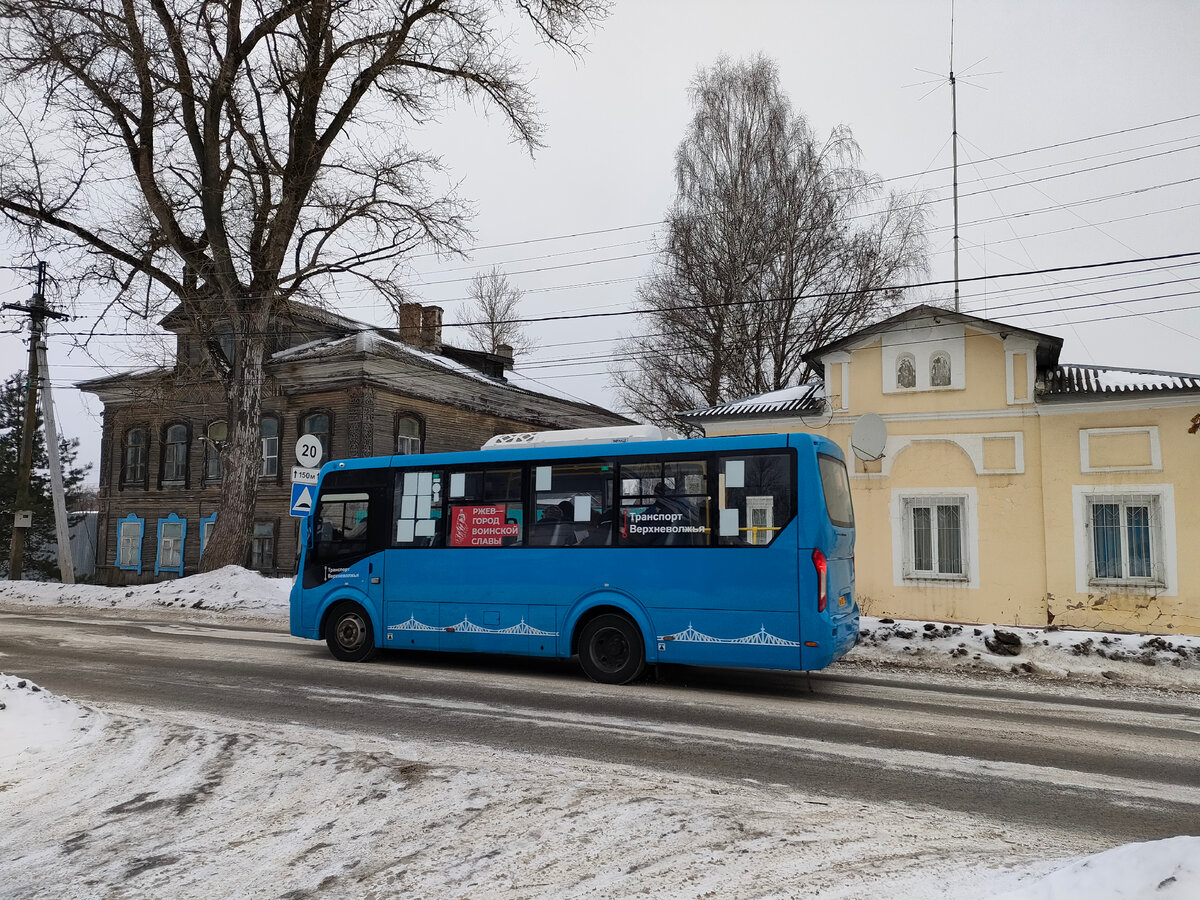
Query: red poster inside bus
481, 526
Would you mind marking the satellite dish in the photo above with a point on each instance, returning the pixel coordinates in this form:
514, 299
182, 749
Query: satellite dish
868, 437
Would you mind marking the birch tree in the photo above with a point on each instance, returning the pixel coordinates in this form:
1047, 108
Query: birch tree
777, 241
490, 318
230, 156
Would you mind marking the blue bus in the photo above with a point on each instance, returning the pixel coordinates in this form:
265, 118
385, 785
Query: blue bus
732, 551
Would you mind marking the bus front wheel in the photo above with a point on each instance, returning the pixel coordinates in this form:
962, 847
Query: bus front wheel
348, 632
611, 649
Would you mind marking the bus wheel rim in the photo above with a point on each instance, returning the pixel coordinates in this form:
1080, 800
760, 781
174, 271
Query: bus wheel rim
611, 649
350, 632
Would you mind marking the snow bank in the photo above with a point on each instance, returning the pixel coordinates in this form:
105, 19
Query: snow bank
1157, 870
228, 590
32, 721
1152, 660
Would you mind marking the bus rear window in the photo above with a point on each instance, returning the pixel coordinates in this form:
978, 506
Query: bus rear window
755, 496
836, 485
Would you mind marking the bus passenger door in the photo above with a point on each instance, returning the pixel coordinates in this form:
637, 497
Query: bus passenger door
349, 541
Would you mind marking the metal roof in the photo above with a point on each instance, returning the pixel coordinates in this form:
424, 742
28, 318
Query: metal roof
1094, 381
803, 399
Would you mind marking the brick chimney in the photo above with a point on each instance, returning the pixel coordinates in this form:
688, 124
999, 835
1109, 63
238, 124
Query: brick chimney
408, 322
431, 328
505, 352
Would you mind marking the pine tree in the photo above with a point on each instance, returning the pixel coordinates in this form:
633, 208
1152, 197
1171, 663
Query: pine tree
40, 559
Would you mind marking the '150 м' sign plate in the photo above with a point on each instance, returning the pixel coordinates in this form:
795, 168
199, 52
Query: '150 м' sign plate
301, 475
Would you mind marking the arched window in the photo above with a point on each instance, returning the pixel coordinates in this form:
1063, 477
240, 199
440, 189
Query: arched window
270, 446
218, 433
317, 424
134, 469
408, 435
906, 371
939, 369
175, 454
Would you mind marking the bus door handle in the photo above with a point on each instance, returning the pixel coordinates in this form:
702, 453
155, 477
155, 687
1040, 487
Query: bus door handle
375, 580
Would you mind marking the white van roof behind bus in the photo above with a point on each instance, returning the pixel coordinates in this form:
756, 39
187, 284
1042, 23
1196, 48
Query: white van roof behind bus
617, 434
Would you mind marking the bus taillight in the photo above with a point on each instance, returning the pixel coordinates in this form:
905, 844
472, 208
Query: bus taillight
822, 568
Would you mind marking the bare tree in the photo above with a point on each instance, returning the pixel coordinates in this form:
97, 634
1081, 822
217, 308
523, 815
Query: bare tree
230, 156
490, 319
776, 242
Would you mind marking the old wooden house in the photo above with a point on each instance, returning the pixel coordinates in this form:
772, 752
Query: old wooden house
360, 390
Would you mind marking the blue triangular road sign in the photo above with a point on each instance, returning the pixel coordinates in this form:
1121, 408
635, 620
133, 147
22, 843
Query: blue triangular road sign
302, 500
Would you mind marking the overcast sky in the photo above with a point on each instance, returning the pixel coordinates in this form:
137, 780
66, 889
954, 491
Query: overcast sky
580, 218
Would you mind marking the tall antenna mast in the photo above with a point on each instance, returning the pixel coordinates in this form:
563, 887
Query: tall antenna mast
954, 149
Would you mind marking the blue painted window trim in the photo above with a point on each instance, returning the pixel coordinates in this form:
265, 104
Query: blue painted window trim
171, 519
141, 524
203, 540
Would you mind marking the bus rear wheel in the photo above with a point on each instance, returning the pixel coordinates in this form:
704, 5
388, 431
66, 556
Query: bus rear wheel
348, 632
611, 649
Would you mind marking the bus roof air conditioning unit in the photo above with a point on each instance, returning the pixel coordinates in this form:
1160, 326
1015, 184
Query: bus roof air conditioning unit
617, 434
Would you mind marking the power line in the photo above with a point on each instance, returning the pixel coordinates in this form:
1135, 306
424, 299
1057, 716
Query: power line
1008, 315
808, 296
1017, 173
655, 224
620, 357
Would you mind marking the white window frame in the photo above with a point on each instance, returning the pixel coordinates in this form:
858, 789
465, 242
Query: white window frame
130, 531
407, 444
169, 555
903, 570
270, 449
1164, 577
765, 533
933, 504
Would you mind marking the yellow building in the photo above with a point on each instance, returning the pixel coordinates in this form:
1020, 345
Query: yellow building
1010, 488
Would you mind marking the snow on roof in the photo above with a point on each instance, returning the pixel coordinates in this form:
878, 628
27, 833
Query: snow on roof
801, 398
1069, 379
375, 342
370, 341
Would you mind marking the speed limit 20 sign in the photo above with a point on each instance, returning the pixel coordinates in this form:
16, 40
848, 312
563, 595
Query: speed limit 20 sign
308, 451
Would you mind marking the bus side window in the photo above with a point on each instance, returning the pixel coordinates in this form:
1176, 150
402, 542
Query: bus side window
343, 529
417, 509
755, 498
665, 504
486, 508
572, 505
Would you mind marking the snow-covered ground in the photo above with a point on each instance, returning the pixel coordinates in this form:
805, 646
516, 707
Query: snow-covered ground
116, 803
119, 801
1164, 661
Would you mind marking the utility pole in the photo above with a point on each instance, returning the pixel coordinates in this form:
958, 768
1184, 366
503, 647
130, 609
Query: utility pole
38, 313
954, 150
954, 153
62, 529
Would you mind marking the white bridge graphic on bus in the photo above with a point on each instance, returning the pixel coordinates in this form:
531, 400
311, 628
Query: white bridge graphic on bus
763, 637
466, 626
689, 636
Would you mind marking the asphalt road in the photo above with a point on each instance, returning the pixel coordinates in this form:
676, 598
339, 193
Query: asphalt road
1119, 764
